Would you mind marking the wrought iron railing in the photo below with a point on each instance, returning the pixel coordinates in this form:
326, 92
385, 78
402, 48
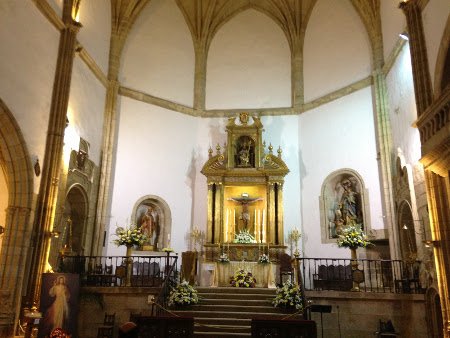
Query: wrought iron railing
107, 271
161, 301
367, 275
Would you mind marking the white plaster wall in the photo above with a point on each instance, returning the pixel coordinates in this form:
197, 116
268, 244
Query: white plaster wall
95, 16
154, 155
249, 64
283, 132
28, 58
337, 50
334, 136
86, 108
402, 107
158, 56
435, 17
393, 22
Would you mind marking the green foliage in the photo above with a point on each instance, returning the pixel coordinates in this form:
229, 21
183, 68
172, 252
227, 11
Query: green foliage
244, 237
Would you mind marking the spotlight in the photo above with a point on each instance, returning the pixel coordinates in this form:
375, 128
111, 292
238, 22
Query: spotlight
404, 36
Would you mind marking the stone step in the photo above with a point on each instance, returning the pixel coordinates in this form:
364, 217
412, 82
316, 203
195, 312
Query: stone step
233, 302
235, 290
221, 335
233, 308
236, 314
224, 321
222, 328
255, 296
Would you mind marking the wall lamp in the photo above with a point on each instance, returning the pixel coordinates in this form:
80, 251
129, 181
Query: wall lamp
54, 234
404, 36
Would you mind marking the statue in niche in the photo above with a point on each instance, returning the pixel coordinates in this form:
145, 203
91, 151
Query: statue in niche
348, 210
149, 224
245, 153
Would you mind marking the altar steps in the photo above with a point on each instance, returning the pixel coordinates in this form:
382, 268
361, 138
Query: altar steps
227, 311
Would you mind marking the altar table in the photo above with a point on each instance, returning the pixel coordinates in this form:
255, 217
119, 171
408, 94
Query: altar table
263, 273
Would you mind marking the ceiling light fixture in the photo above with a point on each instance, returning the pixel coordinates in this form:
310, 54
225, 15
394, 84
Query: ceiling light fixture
404, 36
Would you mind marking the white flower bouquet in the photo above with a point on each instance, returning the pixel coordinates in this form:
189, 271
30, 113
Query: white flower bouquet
263, 259
353, 237
243, 279
183, 294
131, 236
244, 237
167, 250
289, 296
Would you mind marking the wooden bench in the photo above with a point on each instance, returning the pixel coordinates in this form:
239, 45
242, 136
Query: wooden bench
333, 277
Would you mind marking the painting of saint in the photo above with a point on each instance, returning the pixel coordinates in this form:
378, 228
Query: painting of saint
59, 303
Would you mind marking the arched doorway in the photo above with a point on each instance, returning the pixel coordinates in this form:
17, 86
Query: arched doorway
434, 313
408, 246
76, 211
18, 174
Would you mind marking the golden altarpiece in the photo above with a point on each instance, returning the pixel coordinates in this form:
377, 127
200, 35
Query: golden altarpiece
245, 195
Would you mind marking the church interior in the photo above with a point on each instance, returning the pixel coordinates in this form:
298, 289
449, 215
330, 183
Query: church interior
144, 143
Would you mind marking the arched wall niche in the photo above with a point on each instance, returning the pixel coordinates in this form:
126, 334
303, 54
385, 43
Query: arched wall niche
343, 199
153, 211
16, 164
410, 228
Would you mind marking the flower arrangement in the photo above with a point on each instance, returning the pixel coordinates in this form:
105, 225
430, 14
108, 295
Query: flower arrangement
353, 237
183, 294
223, 258
289, 296
129, 236
243, 279
263, 259
244, 237
167, 250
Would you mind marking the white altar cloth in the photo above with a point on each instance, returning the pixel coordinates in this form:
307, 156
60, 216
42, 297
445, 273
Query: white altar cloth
263, 273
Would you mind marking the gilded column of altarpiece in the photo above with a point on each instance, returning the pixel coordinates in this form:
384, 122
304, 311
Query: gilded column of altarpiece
245, 194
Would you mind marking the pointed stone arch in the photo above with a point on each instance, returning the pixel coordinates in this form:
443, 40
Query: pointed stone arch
15, 160
442, 70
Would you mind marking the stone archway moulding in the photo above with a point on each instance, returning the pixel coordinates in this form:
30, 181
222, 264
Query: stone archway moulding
166, 215
19, 177
327, 197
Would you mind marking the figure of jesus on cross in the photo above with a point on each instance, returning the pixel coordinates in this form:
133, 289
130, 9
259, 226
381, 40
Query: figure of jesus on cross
244, 200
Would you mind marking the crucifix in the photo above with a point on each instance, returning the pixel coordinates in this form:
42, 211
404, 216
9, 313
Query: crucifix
244, 200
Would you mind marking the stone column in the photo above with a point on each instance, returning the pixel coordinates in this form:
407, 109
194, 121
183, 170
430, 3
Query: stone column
48, 190
280, 214
200, 76
419, 58
297, 75
270, 226
384, 143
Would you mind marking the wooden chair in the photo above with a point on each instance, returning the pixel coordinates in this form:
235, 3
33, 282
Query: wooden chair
189, 266
286, 268
107, 329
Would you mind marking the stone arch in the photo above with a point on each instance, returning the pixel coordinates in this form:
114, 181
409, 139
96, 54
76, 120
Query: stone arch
15, 160
162, 235
72, 237
433, 313
442, 69
330, 199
